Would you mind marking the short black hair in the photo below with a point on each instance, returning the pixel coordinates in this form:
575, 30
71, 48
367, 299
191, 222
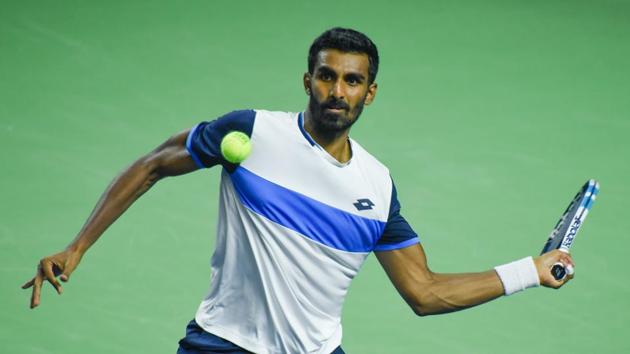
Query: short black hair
345, 40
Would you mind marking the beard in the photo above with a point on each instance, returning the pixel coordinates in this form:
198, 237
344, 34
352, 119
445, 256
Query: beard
333, 122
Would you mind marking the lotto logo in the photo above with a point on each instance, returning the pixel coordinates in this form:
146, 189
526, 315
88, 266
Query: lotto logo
363, 204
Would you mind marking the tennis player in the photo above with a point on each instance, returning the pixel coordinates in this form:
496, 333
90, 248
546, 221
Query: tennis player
297, 219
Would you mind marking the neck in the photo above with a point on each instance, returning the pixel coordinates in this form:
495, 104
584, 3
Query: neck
334, 142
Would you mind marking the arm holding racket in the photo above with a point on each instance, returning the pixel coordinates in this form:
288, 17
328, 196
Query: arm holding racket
432, 293
429, 293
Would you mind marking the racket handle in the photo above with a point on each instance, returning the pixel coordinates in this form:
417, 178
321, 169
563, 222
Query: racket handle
558, 271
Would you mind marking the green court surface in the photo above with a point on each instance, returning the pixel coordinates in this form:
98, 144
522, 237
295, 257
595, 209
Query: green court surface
490, 115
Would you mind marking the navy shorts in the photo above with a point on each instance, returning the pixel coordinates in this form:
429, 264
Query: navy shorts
198, 341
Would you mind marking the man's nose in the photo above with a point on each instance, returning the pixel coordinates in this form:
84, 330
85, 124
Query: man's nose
337, 89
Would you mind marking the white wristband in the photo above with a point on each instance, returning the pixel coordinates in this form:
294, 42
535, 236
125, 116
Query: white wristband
518, 275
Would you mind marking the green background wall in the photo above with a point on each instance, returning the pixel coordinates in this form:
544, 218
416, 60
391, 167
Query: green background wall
490, 115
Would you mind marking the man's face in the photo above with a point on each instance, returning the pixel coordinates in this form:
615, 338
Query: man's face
338, 89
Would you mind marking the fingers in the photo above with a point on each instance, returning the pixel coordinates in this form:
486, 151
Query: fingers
46, 270
46, 267
61, 264
37, 286
28, 284
545, 264
567, 261
65, 276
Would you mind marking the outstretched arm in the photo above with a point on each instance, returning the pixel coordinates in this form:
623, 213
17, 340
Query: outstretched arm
169, 159
429, 293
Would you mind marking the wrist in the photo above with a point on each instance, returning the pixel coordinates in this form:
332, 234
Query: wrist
518, 275
76, 248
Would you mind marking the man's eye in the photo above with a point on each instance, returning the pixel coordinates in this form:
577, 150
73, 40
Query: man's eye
353, 80
325, 77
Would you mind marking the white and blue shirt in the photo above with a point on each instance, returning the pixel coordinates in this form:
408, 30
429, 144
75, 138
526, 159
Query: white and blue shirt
294, 227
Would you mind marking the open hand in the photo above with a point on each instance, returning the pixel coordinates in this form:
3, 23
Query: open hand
61, 264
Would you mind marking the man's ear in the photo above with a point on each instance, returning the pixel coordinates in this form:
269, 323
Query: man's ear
371, 94
307, 83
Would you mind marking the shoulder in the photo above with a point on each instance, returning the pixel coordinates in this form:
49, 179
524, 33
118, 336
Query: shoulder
374, 172
272, 125
367, 158
246, 119
279, 117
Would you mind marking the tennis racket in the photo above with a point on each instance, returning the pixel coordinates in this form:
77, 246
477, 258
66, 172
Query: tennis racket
563, 234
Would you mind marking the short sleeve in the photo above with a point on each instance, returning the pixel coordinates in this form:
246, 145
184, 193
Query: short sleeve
204, 140
398, 233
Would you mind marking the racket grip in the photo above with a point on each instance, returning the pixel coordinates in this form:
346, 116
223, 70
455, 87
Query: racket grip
558, 271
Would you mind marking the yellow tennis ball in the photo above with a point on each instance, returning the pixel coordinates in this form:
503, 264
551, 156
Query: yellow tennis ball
235, 146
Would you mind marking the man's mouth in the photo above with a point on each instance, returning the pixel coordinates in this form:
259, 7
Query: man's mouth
335, 108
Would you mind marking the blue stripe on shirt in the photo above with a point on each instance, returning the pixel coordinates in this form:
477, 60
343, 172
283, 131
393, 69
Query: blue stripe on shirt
318, 221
